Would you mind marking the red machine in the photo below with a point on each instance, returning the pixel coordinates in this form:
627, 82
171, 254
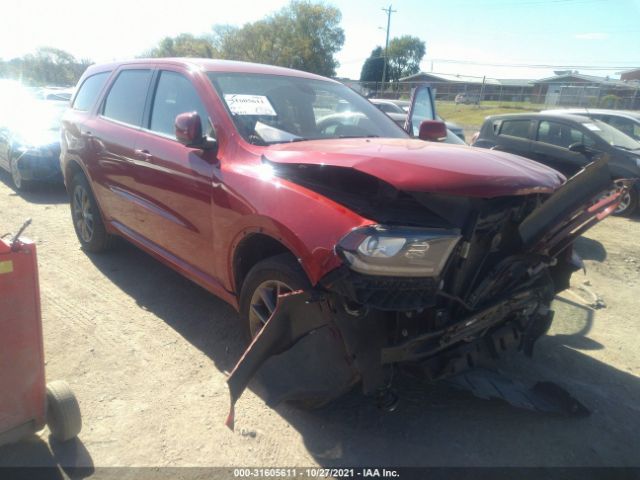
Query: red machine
26, 403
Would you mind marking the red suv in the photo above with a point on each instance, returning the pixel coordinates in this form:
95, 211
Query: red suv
340, 239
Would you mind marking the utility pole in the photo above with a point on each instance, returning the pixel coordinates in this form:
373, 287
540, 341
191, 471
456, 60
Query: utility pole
386, 44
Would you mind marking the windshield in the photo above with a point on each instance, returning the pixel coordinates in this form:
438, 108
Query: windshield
268, 109
612, 136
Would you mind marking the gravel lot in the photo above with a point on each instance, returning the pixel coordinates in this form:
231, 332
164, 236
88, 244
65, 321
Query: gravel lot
146, 352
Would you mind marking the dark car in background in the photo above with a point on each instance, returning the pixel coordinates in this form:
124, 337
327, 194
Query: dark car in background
30, 142
567, 143
628, 122
398, 109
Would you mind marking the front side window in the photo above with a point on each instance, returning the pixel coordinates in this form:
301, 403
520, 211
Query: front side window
89, 91
174, 95
269, 109
126, 99
562, 135
515, 128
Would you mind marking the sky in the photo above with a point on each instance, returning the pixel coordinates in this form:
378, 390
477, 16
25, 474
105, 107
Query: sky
493, 38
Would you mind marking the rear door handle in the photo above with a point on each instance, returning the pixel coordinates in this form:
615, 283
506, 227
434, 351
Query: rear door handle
143, 153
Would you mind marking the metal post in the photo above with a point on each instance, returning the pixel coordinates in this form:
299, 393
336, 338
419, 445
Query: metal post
386, 43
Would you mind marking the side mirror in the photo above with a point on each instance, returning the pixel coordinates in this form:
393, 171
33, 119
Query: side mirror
432, 131
188, 129
578, 148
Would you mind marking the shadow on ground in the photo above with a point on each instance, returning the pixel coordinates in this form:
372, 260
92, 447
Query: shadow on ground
590, 249
433, 425
40, 193
63, 460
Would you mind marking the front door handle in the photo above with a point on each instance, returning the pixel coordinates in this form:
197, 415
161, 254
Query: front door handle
143, 153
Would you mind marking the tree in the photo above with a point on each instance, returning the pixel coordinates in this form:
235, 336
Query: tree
373, 66
184, 45
404, 56
302, 35
47, 66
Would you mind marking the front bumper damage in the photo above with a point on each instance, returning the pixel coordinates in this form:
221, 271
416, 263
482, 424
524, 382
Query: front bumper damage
367, 328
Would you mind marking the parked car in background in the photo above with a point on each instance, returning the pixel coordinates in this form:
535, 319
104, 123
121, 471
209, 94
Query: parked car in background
567, 143
60, 94
30, 142
398, 109
467, 98
628, 122
394, 251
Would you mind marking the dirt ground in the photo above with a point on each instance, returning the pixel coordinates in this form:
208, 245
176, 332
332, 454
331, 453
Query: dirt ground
146, 352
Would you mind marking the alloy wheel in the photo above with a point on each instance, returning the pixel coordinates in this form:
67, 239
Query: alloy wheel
82, 213
16, 176
264, 302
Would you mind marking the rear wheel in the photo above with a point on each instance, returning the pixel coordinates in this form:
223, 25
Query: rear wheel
87, 220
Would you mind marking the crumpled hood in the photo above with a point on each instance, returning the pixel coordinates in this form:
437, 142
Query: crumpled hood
418, 166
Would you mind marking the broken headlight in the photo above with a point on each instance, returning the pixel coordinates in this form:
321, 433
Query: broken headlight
398, 251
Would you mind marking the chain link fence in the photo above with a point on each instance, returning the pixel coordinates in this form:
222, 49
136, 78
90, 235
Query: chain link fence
608, 94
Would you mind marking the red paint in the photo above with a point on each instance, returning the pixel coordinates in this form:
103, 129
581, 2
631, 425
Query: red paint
191, 208
22, 379
414, 165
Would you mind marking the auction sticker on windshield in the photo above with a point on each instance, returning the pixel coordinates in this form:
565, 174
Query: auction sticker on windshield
592, 126
249, 105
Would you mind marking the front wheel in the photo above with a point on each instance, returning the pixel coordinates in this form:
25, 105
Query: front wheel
628, 204
264, 283
87, 220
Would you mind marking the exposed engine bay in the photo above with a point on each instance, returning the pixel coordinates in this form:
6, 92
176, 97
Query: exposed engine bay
471, 279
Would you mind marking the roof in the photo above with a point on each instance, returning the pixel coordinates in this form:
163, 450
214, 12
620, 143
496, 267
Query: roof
211, 65
633, 70
584, 78
456, 78
543, 116
449, 77
595, 111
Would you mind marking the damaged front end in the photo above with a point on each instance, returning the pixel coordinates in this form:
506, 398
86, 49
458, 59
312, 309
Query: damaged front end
444, 285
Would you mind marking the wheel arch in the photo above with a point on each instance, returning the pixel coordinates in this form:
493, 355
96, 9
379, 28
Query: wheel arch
251, 249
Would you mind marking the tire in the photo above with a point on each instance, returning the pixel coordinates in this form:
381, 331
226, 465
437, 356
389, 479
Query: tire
283, 269
630, 204
63, 412
19, 184
86, 217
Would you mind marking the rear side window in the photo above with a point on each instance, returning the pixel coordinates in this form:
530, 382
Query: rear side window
174, 95
126, 99
515, 128
89, 90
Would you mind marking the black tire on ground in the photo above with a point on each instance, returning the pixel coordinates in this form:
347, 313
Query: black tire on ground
86, 217
282, 268
19, 184
632, 204
63, 412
